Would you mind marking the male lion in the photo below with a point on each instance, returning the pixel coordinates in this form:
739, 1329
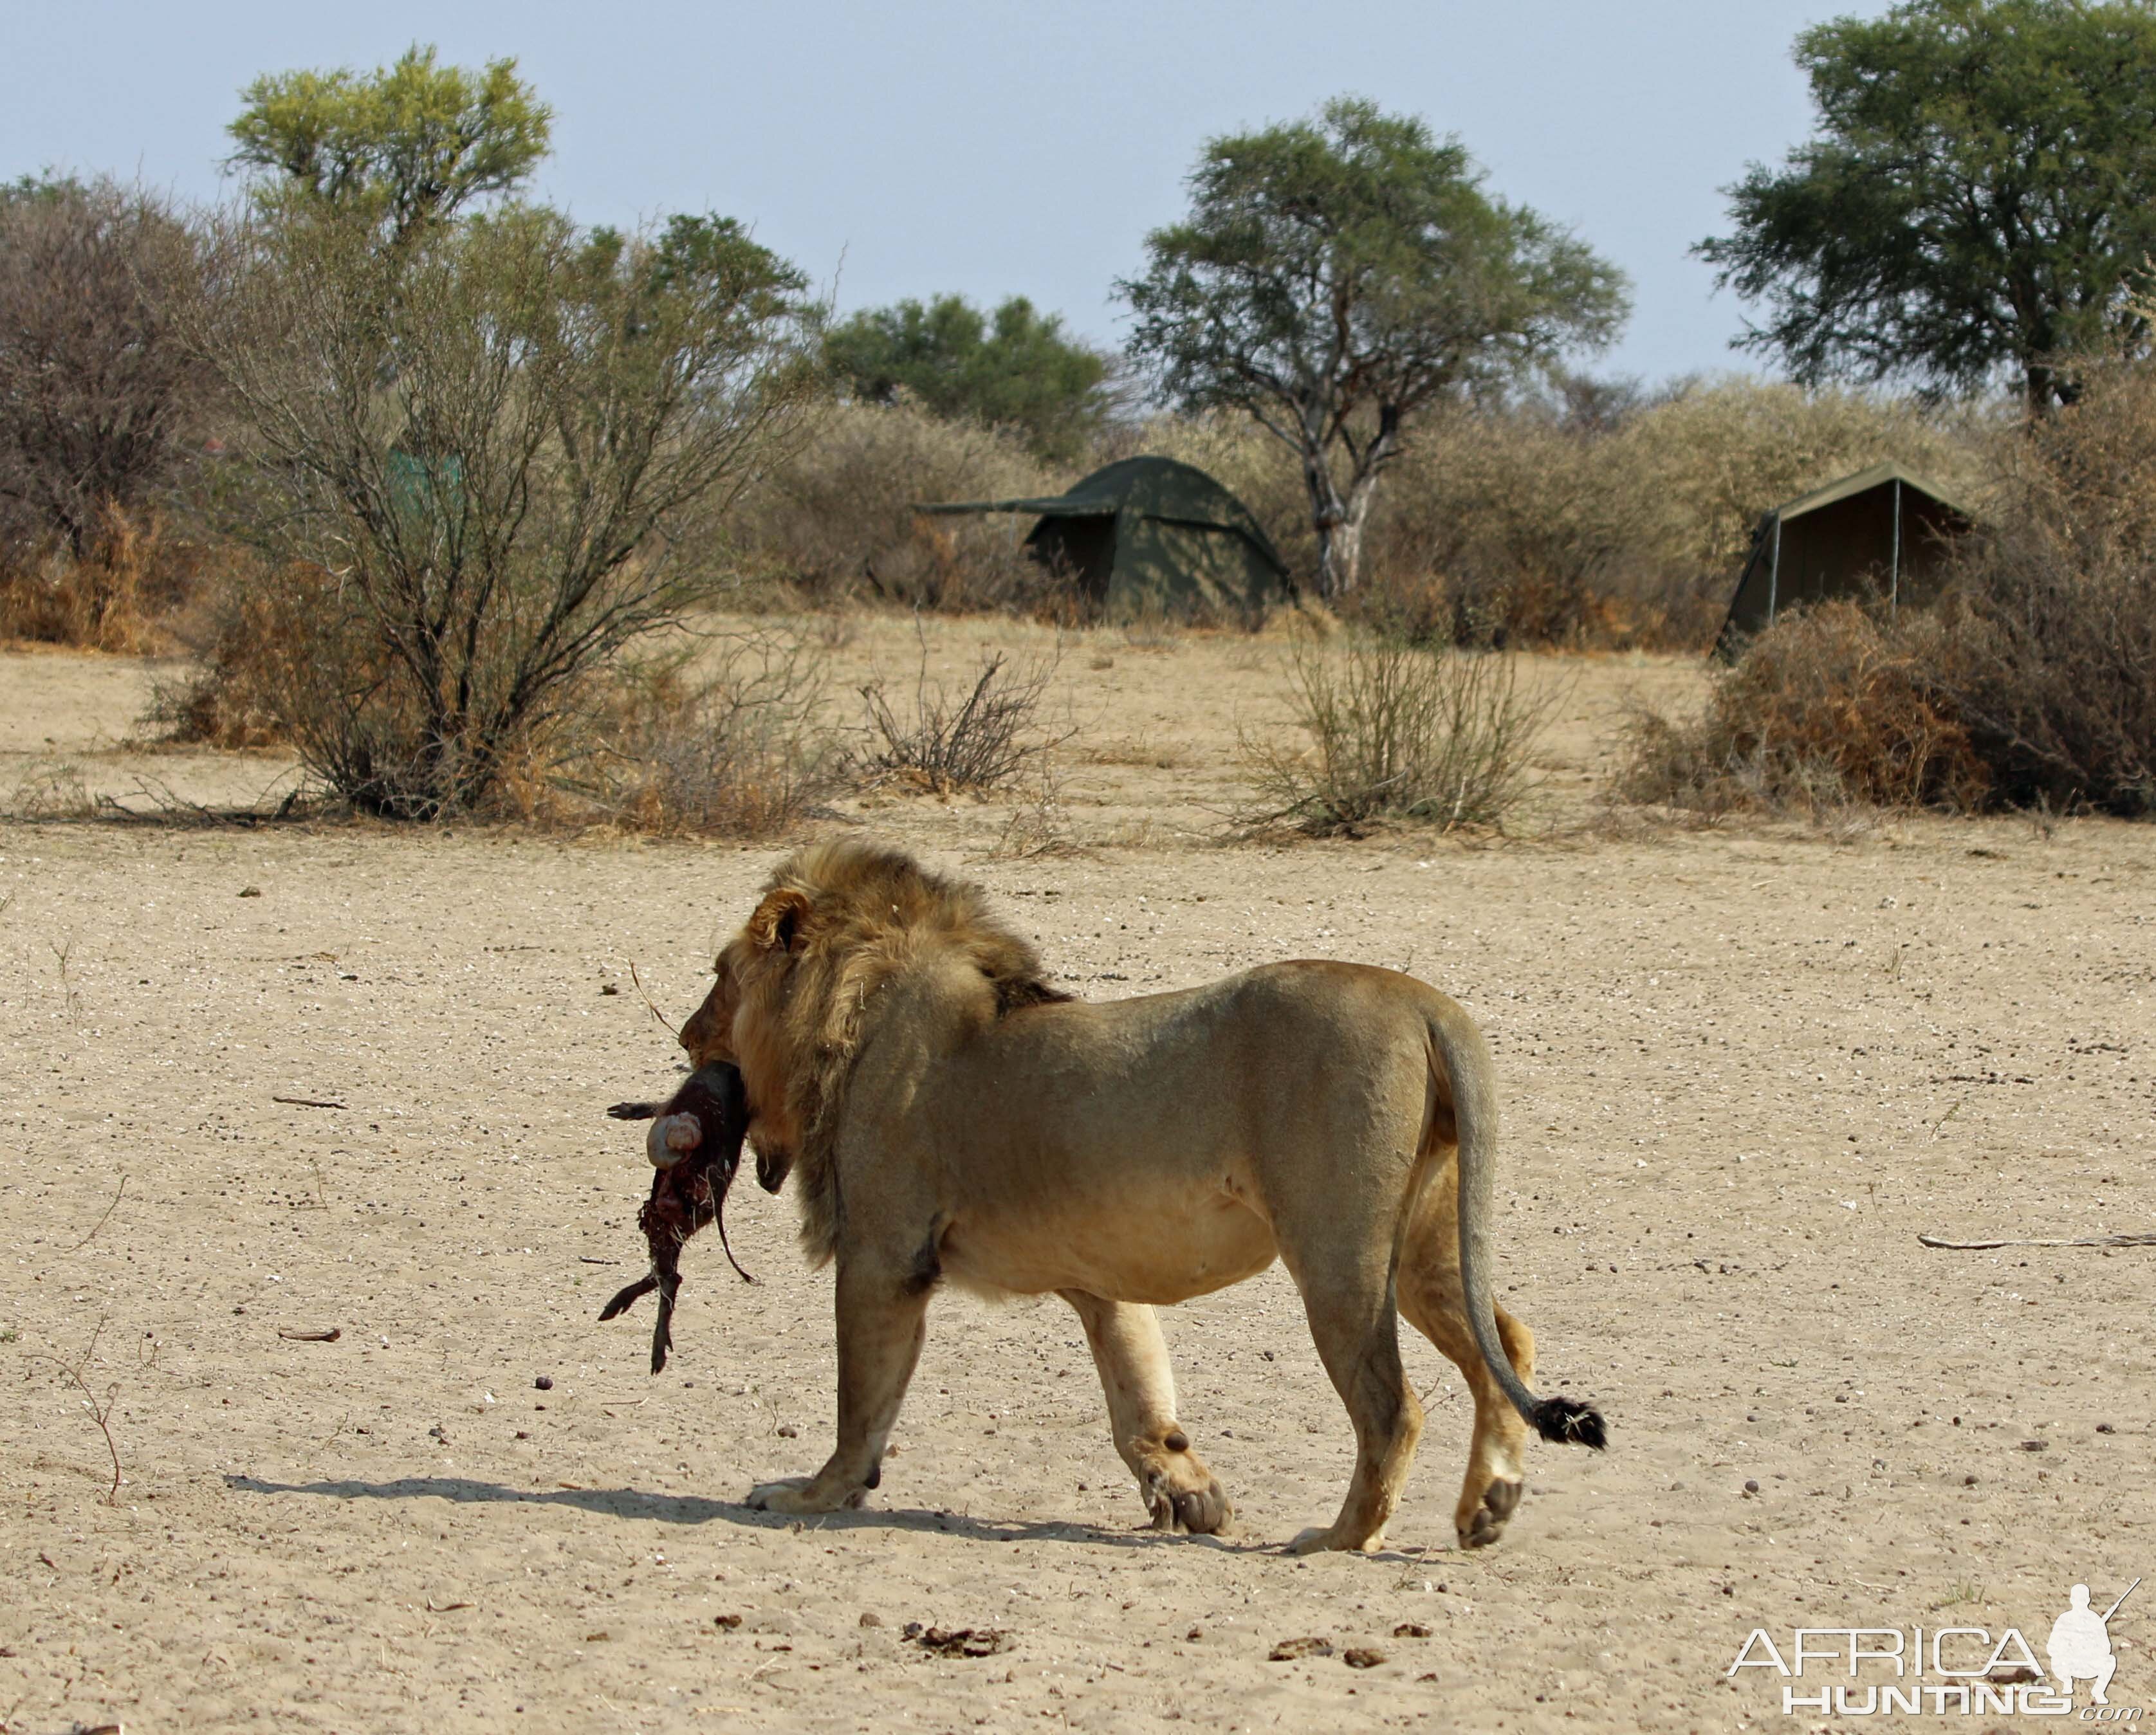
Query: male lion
952, 1116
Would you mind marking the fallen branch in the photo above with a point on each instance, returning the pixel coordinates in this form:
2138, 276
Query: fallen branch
648, 1000
2128, 1241
118, 1193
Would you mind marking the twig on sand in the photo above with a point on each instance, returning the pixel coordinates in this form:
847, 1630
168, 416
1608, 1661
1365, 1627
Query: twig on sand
2128, 1240
329, 1337
305, 1102
118, 1193
655, 1012
100, 1410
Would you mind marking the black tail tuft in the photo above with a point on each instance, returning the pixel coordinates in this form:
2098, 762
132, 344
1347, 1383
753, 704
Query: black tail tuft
1569, 1422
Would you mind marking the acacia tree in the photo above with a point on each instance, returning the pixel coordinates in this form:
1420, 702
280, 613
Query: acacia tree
480, 463
1334, 277
407, 144
1980, 195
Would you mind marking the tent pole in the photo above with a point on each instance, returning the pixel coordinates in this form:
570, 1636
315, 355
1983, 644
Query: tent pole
1894, 573
1774, 571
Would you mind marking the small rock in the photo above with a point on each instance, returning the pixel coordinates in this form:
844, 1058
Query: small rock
729, 1622
608, 987
1968, 1481
2105, 1428
2035, 1445
786, 1430
1410, 1629
1363, 1656
871, 1618
250, 891
1289, 1650
1750, 1487
1194, 1635
545, 1383
438, 1432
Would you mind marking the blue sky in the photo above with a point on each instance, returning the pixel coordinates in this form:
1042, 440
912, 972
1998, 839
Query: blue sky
994, 149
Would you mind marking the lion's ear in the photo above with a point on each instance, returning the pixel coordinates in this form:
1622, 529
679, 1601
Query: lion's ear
776, 927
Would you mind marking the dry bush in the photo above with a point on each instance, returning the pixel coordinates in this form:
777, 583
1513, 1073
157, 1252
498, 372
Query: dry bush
247, 630
978, 737
2055, 671
1520, 527
99, 395
837, 519
1829, 708
1724, 451
1397, 730
726, 742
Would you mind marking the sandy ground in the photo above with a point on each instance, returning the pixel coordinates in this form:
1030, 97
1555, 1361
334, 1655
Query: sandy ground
1743, 1069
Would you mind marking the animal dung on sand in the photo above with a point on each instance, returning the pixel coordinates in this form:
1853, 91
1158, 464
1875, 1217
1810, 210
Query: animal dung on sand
694, 1146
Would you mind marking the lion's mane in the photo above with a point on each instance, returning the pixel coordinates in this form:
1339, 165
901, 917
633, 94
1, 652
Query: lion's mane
837, 921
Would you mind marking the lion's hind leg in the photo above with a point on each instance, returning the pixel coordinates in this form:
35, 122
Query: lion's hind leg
1352, 1318
1435, 1302
1181, 1493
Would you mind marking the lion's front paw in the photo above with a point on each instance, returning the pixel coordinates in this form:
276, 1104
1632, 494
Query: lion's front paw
799, 1495
1190, 1512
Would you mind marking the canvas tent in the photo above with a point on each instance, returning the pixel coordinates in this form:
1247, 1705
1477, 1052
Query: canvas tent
1149, 534
1882, 530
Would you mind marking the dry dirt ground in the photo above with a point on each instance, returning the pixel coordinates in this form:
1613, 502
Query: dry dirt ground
1743, 1069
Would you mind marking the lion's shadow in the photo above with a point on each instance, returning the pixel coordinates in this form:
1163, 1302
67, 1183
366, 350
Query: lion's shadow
637, 1504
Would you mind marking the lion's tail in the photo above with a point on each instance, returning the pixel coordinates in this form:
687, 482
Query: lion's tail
1459, 1052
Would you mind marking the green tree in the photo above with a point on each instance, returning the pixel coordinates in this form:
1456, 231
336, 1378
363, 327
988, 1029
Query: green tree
408, 143
1334, 277
1980, 195
481, 463
1014, 368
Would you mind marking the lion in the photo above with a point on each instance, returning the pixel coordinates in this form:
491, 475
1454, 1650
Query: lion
950, 1117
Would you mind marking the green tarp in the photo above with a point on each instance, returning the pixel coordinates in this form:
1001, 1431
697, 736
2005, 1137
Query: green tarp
1883, 532
1151, 535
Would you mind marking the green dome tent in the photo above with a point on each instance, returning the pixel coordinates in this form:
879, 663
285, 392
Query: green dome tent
1150, 534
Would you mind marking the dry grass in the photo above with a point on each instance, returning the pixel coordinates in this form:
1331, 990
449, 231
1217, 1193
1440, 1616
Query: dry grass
115, 597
